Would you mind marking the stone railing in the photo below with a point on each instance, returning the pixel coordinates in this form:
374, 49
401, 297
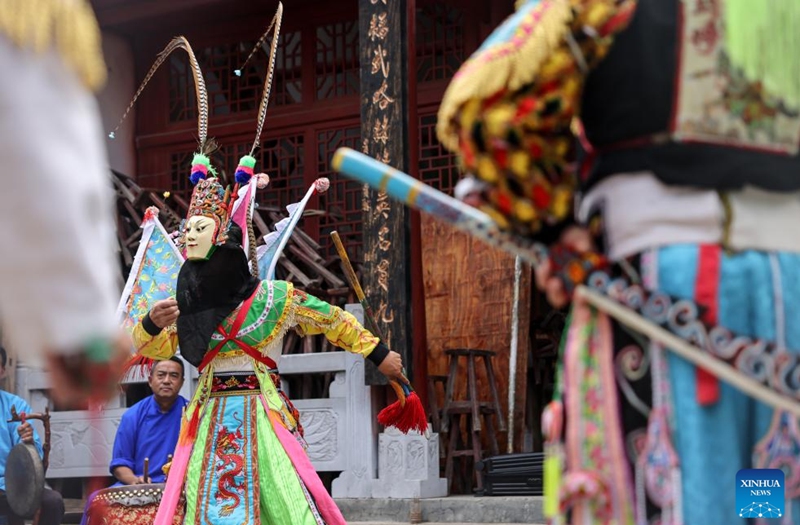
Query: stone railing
81, 442
340, 430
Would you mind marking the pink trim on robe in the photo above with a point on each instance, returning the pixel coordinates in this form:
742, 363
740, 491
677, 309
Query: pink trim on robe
172, 492
180, 463
325, 504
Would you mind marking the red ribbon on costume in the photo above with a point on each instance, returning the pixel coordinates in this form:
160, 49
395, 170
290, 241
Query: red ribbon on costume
706, 293
231, 337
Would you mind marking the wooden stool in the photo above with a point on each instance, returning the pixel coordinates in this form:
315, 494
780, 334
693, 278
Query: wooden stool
471, 409
433, 404
435, 410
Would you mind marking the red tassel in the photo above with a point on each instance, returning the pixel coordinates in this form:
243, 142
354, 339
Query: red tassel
188, 436
390, 414
138, 360
405, 418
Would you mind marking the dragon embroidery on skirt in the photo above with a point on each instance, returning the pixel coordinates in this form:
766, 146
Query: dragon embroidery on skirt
230, 467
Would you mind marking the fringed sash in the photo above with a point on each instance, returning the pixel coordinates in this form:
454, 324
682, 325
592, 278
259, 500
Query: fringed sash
596, 485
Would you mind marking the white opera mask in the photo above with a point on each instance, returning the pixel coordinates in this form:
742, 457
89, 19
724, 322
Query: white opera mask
199, 233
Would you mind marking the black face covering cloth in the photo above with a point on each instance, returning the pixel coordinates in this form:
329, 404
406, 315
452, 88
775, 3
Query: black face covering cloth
208, 291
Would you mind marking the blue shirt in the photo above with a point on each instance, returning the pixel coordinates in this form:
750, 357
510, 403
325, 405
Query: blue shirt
8, 431
146, 432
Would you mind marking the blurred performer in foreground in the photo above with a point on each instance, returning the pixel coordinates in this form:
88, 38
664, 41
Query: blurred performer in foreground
689, 125
57, 273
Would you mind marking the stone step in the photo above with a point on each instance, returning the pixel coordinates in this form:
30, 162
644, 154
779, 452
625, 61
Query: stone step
452, 509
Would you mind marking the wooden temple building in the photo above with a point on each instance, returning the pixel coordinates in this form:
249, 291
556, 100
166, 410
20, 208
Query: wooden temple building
369, 75
439, 288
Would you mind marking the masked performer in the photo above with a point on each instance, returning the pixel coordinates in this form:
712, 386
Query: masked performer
240, 446
57, 285
689, 127
240, 456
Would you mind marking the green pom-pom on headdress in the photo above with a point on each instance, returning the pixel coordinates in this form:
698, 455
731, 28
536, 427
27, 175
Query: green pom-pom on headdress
245, 169
201, 167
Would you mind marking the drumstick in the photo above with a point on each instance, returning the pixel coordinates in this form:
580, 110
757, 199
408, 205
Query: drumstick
167, 466
146, 468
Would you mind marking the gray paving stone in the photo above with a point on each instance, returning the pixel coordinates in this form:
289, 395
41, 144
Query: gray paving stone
452, 509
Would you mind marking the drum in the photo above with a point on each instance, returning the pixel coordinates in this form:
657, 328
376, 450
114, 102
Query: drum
131, 504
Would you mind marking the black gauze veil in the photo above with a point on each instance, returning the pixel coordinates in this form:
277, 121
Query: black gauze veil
208, 291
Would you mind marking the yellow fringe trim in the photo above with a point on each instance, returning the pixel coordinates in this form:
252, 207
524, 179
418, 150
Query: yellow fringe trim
506, 66
67, 25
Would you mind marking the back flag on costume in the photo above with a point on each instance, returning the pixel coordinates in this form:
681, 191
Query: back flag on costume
270, 252
239, 214
154, 274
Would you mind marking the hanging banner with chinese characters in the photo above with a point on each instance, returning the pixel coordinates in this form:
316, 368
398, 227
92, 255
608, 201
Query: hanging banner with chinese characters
384, 136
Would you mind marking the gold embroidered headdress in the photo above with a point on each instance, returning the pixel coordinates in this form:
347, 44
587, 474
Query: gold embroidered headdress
210, 199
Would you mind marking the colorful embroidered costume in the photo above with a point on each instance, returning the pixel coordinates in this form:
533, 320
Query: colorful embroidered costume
680, 141
240, 457
246, 463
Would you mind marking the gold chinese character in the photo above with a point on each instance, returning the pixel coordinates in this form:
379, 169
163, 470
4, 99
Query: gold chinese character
382, 207
381, 98
379, 61
365, 193
384, 157
386, 315
380, 131
378, 28
383, 243
383, 274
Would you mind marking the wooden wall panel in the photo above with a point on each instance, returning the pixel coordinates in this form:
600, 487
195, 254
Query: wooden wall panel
469, 290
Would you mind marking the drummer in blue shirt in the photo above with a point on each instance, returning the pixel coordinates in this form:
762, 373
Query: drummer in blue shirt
149, 429
11, 434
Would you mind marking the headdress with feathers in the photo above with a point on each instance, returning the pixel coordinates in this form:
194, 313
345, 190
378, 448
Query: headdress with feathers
208, 198
245, 169
207, 290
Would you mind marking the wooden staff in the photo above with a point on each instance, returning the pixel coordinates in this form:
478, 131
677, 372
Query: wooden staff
369, 315
350, 273
691, 353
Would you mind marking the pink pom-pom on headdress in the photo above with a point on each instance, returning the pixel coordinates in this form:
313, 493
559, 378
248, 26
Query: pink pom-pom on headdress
262, 180
322, 184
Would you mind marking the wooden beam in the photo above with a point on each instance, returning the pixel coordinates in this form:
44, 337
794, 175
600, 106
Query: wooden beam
110, 14
384, 134
282, 119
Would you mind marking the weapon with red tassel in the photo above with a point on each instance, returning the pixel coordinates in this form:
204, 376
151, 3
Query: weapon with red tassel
407, 413
761, 368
